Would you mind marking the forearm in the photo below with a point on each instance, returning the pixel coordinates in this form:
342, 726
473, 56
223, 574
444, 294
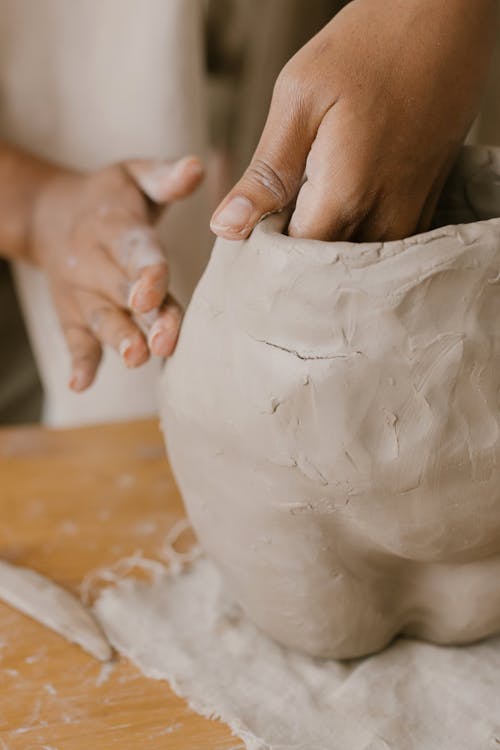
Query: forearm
22, 176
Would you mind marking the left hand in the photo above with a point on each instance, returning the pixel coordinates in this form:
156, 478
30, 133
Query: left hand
93, 236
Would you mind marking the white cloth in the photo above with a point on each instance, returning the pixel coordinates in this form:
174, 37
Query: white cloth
412, 696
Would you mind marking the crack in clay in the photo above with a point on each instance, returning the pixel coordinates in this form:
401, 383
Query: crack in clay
275, 405
317, 475
350, 459
304, 356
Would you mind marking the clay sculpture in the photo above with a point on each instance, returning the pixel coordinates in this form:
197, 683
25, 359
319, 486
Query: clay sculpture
332, 418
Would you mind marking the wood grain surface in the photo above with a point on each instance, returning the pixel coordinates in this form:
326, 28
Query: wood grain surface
72, 501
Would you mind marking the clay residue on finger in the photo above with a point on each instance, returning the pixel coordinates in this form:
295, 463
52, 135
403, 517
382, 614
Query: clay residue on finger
138, 248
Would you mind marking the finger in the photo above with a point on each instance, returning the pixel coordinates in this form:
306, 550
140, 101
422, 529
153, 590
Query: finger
113, 327
135, 246
274, 175
100, 273
166, 181
395, 217
86, 354
164, 332
335, 198
150, 289
133, 273
84, 349
392, 218
136, 249
131, 242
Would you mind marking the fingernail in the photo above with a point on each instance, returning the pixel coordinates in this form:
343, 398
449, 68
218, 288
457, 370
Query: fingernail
125, 350
78, 380
162, 344
156, 328
235, 215
143, 298
187, 167
134, 295
153, 182
160, 340
150, 317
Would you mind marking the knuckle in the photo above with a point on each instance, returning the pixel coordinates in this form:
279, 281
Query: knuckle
73, 332
112, 180
123, 333
290, 82
138, 246
351, 211
98, 316
81, 344
264, 175
283, 85
295, 91
155, 278
115, 173
353, 199
87, 356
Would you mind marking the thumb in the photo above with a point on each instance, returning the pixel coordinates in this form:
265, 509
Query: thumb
273, 178
165, 180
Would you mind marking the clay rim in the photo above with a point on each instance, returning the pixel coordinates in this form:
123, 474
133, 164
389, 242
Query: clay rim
269, 230
357, 253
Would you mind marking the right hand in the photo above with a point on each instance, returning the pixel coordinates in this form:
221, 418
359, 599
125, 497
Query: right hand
372, 111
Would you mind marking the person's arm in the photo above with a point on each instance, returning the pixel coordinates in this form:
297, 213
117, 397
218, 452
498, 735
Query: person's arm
93, 236
373, 111
22, 177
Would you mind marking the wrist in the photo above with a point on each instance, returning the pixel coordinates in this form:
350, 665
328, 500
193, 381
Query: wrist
49, 213
23, 178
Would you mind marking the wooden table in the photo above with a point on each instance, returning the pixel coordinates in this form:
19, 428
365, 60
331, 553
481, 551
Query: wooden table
70, 502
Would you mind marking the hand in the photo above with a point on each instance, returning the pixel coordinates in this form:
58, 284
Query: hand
93, 236
372, 111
